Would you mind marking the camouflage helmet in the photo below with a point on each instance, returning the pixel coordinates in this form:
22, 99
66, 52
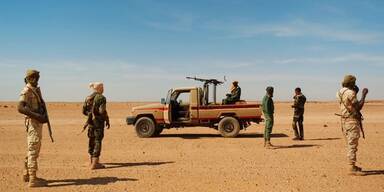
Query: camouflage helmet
31, 72
349, 81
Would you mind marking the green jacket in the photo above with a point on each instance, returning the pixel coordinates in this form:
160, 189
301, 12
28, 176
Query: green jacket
267, 105
298, 104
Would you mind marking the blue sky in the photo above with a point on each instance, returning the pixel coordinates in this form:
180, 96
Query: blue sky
141, 48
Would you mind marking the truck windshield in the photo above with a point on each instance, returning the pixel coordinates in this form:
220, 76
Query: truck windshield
168, 100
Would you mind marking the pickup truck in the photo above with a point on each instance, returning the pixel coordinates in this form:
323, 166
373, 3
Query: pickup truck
188, 107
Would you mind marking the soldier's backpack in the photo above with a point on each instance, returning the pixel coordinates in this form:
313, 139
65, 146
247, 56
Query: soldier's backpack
88, 105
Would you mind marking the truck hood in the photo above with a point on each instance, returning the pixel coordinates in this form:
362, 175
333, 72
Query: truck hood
154, 106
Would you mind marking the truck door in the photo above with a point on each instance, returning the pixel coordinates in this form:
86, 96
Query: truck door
168, 108
196, 99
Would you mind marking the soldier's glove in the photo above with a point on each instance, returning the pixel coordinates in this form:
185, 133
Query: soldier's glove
107, 124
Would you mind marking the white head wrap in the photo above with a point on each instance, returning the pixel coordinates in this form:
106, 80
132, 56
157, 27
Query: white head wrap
96, 86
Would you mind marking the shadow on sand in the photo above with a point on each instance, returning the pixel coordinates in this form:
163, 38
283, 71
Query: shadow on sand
295, 146
324, 139
373, 172
120, 165
208, 135
90, 181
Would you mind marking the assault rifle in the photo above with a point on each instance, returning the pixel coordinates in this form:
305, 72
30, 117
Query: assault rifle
45, 112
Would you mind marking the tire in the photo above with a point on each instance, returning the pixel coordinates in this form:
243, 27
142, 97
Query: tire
229, 127
158, 130
145, 127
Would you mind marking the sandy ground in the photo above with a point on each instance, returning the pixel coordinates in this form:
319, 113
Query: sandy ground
196, 159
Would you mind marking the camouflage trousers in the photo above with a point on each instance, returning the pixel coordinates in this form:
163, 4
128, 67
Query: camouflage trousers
34, 137
268, 126
351, 132
95, 135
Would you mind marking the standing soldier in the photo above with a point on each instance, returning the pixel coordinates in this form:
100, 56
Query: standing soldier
268, 110
31, 105
351, 118
298, 116
95, 109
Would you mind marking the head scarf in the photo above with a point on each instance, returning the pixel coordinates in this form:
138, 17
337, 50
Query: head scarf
96, 86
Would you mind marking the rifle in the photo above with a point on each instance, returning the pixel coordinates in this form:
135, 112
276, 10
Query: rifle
48, 123
45, 112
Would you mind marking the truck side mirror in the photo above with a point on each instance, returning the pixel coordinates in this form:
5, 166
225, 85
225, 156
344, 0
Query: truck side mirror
162, 101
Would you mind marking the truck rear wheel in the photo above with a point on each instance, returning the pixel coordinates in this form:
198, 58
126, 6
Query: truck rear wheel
229, 127
145, 127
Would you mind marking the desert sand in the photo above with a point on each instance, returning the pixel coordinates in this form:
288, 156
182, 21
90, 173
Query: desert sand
196, 159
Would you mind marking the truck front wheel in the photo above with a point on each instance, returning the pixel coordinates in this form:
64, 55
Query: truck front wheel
145, 127
229, 127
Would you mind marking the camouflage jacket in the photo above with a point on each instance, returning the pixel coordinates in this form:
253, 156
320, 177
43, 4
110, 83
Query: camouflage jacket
298, 104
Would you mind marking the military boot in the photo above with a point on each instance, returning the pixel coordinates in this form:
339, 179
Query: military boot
268, 145
35, 181
96, 164
355, 170
297, 137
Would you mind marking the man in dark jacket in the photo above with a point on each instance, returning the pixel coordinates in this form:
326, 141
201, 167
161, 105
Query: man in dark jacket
298, 114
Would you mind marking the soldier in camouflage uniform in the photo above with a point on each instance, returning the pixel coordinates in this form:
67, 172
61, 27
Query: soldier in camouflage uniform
30, 104
235, 94
351, 118
95, 109
268, 111
298, 116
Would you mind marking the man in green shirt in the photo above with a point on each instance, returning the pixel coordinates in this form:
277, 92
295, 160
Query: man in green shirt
268, 110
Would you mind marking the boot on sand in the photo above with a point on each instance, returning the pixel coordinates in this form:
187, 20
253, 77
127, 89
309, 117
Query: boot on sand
96, 164
268, 145
35, 181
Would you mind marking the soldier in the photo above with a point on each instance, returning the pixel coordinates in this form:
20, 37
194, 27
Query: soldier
298, 116
351, 118
30, 104
95, 109
235, 94
268, 110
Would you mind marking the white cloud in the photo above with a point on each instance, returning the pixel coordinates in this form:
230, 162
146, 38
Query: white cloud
302, 28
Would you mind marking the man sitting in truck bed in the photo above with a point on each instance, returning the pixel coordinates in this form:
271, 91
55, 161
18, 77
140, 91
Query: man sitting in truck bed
234, 96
